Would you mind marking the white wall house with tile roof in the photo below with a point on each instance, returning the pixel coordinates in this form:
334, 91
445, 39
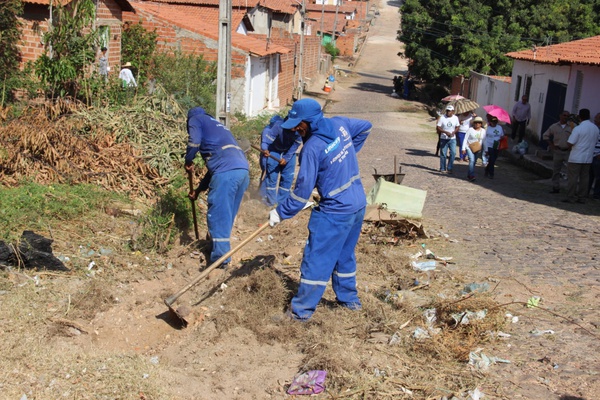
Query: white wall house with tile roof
558, 77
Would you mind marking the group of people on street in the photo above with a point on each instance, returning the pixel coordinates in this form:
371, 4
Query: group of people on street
474, 141
579, 147
327, 162
402, 86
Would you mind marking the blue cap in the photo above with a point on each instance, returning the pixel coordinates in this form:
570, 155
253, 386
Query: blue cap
302, 110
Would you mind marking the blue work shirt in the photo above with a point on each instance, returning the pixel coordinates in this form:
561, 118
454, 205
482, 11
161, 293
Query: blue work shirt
215, 143
328, 162
283, 141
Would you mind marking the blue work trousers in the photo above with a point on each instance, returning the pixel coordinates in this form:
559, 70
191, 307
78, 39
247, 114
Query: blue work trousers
329, 254
226, 190
275, 187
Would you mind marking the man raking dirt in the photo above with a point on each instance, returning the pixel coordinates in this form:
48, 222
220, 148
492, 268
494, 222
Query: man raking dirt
328, 162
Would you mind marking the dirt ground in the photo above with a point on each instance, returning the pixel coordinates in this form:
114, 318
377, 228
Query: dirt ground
102, 331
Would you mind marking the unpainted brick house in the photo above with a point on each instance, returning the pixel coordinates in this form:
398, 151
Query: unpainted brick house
38, 15
191, 27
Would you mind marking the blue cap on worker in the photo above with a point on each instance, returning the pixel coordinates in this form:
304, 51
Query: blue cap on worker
302, 110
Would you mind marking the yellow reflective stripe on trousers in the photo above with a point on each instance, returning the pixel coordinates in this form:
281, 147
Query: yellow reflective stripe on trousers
344, 187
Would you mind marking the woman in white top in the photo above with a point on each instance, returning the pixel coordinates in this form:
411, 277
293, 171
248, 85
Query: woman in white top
493, 134
465, 120
474, 139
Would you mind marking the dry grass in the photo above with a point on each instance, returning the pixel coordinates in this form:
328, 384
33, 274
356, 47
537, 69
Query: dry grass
371, 353
39, 359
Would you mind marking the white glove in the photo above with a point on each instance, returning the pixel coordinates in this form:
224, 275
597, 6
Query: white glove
274, 218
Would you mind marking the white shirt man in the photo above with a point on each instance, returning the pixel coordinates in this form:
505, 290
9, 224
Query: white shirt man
447, 127
582, 143
126, 76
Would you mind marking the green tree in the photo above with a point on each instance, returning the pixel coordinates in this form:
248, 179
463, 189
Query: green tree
10, 34
332, 50
137, 47
69, 48
188, 77
444, 38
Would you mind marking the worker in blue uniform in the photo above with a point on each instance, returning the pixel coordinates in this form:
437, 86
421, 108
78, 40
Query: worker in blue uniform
328, 162
226, 180
278, 176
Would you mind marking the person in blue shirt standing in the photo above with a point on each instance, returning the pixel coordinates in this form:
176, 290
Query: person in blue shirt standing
226, 180
328, 162
282, 144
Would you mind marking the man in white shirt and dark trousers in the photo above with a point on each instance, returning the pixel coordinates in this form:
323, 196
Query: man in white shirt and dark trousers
521, 114
582, 143
447, 127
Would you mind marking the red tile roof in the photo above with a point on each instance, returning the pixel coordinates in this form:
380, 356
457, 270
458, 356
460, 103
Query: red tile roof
282, 6
124, 4
328, 21
205, 21
347, 8
47, 2
583, 51
506, 79
235, 3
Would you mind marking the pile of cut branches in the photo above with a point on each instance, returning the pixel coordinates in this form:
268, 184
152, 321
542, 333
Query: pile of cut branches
133, 149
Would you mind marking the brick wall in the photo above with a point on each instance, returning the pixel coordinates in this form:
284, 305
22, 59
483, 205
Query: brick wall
288, 77
35, 24
346, 44
172, 38
110, 14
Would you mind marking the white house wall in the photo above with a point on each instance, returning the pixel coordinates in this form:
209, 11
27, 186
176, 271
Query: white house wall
541, 74
261, 90
590, 89
260, 20
486, 90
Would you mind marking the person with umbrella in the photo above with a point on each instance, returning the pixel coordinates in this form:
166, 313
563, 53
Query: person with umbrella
465, 119
447, 127
493, 134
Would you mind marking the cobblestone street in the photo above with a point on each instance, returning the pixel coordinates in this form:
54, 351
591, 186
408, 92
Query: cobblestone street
510, 230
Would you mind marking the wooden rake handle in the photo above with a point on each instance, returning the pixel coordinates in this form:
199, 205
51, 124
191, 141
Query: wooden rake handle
171, 299
255, 147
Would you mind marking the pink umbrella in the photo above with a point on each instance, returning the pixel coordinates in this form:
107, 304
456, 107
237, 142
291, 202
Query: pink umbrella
453, 97
498, 112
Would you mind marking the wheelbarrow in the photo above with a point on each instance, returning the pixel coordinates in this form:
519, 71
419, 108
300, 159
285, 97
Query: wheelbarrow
393, 177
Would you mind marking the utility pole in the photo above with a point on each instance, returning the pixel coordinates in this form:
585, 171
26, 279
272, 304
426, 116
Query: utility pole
300, 64
223, 106
321, 36
337, 7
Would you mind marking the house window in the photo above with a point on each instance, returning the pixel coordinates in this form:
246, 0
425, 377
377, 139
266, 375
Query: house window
577, 94
104, 35
528, 82
518, 89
